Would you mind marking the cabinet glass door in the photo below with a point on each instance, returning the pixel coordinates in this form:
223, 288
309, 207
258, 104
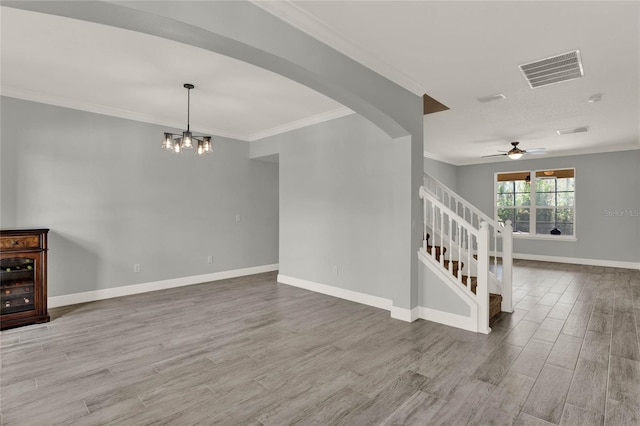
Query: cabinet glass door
17, 279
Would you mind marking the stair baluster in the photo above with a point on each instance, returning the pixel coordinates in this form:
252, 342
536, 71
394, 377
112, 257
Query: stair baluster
450, 245
460, 247
469, 250
425, 235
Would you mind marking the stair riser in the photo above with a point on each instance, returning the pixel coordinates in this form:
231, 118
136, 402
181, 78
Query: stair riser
495, 304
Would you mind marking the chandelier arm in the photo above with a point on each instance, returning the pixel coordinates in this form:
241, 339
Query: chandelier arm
192, 135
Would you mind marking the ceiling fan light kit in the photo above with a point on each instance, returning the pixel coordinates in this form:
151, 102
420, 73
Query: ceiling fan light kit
178, 143
516, 153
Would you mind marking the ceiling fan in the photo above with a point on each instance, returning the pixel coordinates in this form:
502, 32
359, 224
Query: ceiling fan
516, 153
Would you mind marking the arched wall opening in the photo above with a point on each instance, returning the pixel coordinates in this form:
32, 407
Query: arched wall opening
245, 32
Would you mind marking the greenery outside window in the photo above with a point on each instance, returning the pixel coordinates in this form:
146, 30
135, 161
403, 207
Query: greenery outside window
552, 212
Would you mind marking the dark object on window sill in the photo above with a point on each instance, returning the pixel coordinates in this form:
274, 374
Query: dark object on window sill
556, 231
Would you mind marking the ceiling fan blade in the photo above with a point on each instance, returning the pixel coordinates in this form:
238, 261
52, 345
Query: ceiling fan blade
495, 155
535, 150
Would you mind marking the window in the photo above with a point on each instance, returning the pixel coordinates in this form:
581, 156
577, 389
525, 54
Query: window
553, 211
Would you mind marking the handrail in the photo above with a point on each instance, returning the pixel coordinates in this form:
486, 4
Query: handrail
424, 193
465, 203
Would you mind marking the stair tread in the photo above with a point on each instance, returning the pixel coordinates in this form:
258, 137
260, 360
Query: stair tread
495, 300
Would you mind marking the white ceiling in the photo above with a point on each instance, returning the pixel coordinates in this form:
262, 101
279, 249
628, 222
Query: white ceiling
459, 51
454, 51
108, 70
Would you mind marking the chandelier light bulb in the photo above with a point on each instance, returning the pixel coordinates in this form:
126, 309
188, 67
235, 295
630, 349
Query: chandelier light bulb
206, 143
167, 142
200, 150
187, 142
177, 147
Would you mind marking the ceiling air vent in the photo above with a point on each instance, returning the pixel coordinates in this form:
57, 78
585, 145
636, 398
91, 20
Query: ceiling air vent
575, 130
491, 98
556, 69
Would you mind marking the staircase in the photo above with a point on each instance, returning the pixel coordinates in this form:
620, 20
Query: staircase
495, 300
470, 251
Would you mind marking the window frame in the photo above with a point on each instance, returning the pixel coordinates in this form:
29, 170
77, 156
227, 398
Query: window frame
532, 235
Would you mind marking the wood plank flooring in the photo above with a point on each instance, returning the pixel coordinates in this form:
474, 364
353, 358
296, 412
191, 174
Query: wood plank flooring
249, 351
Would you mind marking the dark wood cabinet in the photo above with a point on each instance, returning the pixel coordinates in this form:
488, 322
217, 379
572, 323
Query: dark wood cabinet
23, 277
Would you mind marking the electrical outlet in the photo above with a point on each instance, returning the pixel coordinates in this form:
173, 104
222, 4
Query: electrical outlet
209, 259
136, 267
238, 217
335, 269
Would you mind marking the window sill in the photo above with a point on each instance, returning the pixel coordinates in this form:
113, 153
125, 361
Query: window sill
565, 238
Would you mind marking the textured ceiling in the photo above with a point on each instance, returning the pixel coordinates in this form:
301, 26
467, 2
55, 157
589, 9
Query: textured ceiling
459, 51
454, 51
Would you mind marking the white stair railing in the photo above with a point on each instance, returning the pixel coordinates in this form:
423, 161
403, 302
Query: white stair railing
500, 236
456, 233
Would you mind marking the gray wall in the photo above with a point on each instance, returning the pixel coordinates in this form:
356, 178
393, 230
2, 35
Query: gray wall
242, 30
445, 173
604, 182
337, 183
113, 198
436, 294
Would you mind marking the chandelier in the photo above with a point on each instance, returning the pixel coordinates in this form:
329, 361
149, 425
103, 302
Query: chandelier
178, 143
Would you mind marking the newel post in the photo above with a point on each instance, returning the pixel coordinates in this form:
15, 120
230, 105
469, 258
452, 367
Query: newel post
424, 218
482, 290
507, 267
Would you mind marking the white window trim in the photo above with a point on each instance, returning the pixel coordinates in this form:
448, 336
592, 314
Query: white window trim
532, 208
570, 238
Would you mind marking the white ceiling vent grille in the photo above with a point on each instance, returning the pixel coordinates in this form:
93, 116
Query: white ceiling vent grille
574, 130
556, 69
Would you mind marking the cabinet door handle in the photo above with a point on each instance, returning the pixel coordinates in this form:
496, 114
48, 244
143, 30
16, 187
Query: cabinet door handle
14, 242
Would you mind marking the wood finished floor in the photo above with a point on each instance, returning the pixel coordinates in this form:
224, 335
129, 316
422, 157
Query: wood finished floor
248, 351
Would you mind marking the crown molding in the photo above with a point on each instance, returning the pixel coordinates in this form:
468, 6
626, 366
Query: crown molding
298, 124
39, 97
304, 21
43, 98
437, 157
585, 151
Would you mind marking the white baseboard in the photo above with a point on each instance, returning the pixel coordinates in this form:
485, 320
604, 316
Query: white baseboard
446, 318
403, 314
108, 293
578, 261
329, 290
